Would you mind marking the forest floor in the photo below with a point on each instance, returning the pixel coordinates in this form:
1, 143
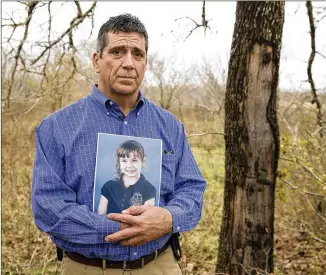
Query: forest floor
299, 253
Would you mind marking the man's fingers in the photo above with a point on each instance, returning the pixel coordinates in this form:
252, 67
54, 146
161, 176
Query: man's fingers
124, 225
121, 235
122, 218
135, 210
137, 240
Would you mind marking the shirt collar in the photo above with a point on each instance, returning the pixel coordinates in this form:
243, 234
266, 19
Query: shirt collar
141, 178
105, 102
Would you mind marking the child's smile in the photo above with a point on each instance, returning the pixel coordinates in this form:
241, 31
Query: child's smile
131, 165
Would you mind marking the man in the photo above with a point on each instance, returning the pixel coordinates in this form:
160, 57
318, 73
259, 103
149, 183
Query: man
138, 238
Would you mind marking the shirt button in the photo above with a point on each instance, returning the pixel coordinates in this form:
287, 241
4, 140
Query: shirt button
125, 122
135, 253
108, 113
178, 228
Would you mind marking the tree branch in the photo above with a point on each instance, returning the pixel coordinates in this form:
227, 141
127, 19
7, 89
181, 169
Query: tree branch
204, 134
204, 22
309, 68
31, 6
73, 24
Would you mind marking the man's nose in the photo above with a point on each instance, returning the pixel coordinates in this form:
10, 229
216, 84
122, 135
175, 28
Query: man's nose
128, 62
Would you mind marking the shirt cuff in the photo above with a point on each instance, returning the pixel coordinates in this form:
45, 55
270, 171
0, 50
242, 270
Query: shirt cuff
177, 218
105, 227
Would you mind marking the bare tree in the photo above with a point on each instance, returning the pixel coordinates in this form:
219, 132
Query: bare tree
212, 77
251, 139
170, 82
19, 65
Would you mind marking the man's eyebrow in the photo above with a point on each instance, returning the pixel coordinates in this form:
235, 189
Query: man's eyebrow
123, 47
138, 49
116, 47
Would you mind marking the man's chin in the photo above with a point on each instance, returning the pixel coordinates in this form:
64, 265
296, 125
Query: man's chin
127, 91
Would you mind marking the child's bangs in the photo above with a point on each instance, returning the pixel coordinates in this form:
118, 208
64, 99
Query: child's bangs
125, 153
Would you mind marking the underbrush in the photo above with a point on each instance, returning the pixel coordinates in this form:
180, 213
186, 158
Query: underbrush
300, 202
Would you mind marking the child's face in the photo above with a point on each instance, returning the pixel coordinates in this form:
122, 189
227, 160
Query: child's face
131, 166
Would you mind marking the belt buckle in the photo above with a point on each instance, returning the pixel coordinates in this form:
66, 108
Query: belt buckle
124, 266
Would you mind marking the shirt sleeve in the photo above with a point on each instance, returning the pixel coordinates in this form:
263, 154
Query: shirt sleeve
54, 205
105, 190
150, 191
187, 201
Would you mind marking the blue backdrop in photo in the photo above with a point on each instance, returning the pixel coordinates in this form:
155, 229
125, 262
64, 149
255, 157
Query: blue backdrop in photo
106, 161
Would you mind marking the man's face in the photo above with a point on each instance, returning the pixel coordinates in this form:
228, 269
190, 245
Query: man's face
131, 165
123, 63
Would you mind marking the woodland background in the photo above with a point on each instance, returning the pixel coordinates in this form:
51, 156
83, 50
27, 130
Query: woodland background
34, 86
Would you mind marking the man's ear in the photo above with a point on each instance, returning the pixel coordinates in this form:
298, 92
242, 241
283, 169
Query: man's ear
95, 60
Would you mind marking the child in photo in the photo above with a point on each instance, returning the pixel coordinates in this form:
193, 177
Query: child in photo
130, 186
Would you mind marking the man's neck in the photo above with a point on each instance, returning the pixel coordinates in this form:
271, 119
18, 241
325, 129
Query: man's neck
125, 105
125, 102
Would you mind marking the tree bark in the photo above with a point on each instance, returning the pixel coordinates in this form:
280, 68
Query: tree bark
251, 139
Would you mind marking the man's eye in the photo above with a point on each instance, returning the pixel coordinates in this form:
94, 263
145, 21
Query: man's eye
116, 52
124, 160
138, 54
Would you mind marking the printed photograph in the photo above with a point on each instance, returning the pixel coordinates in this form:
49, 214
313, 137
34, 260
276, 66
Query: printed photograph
127, 173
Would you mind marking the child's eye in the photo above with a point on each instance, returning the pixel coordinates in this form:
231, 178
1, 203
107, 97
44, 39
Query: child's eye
124, 160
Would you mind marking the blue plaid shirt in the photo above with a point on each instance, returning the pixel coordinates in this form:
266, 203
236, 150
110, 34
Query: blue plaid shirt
63, 175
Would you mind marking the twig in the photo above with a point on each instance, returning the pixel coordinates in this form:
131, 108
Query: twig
316, 212
311, 60
305, 231
49, 52
301, 190
204, 134
204, 22
311, 172
321, 54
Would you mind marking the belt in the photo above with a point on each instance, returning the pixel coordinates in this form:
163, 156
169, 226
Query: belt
124, 265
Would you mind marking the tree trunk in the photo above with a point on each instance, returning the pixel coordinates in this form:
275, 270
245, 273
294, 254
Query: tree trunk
252, 140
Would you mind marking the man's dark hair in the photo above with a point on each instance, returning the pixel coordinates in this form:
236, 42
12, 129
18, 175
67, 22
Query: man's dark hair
121, 23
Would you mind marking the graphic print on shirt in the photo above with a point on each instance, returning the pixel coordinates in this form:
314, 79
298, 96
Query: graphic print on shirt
136, 199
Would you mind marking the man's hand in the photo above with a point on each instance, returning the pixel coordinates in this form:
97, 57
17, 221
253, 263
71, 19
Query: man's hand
147, 223
124, 225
